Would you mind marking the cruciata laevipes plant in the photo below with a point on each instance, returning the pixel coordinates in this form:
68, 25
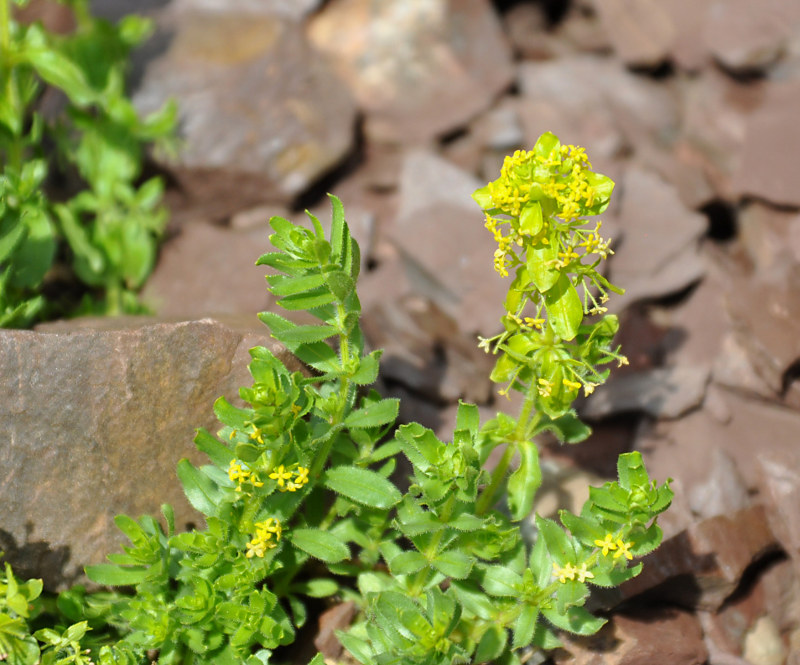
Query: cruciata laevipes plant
106, 224
298, 497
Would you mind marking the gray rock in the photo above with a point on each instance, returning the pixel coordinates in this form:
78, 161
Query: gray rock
207, 270
766, 318
642, 109
684, 448
780, 472
427, 180
640, 30
93, 424
746, 36
713, 553
657, 635
769, 167
715, 111
659, 251
262, 115
666, 392
688, 17
418, 68
425, 351
446, 250
724, 492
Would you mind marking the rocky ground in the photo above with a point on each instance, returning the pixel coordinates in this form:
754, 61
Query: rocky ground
402, 108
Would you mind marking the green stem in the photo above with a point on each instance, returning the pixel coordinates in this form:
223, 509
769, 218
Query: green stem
526, 416
344, 397
444, 515
5, 27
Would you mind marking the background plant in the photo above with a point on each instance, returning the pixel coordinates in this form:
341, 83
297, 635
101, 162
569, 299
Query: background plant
298, 493
112, 222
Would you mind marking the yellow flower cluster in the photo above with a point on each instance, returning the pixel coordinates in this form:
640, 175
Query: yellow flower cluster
289, 481
570, 572
267, 535
618, 546
560, 180
240, 473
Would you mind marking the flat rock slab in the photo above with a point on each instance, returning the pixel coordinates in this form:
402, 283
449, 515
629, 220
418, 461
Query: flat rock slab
665, 392
770, 160
262, 115
93, 423
659, 252
208, 270
651, 636
418, 68
586, 85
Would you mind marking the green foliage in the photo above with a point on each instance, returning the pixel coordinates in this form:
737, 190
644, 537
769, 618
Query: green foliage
300, 504
112, 225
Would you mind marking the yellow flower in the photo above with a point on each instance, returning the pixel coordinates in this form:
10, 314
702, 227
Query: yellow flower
583, 574
300, 479
256, 548
545, 387
255, 435
280, 475
607, 544
263, 541
623, 549
266, 529
238, 473
565, 573
571, 384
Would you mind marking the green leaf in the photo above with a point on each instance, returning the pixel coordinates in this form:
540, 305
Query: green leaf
530, 219
109, 574
613, 577
319, 587
585, 529
34, 255
483, 198
523, 483
492, 644
557, 541
468, 417
631, 471
546, 144
217, 451
383, 412
454, 564
568, 428
540, 262
306, 301
199, 489
340, 284
576, 620
322, 545
230, 415
367, 372
58, 70
524, 626
294, 335
362, 486
407, 563
284, 285
356, 647
339, 231
564, 308
501, 581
